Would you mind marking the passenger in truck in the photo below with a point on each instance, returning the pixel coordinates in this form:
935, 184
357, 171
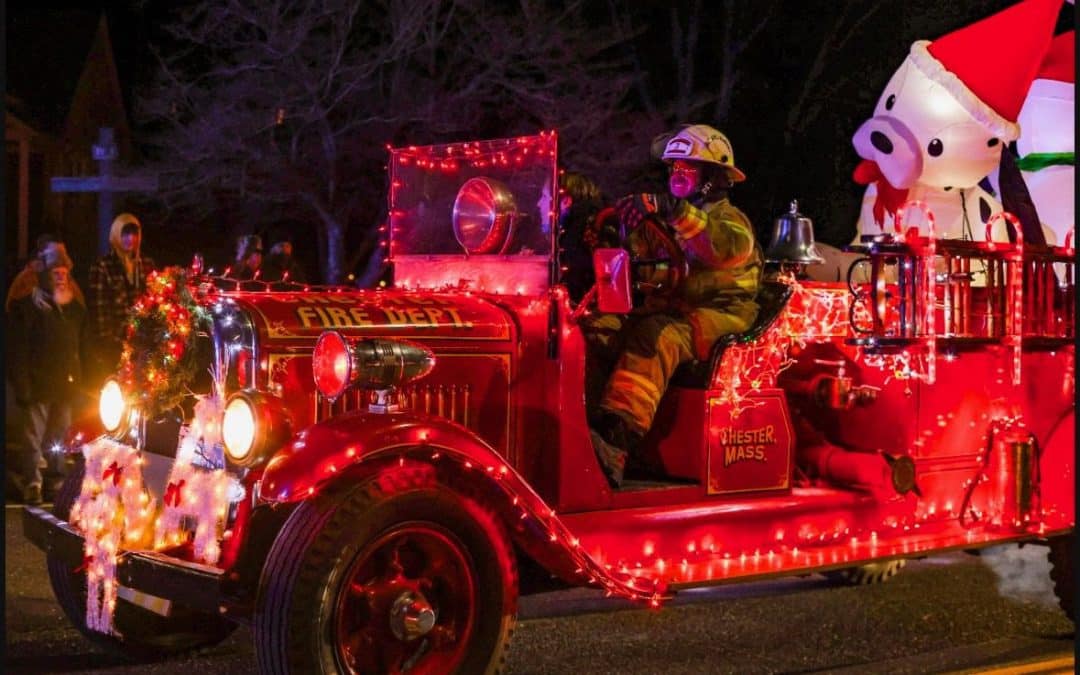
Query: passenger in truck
716, 298
579, 202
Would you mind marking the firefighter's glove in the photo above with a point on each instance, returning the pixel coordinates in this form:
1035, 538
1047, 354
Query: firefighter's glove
635, 208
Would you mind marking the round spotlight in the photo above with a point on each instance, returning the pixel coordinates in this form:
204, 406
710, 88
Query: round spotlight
331, 364
483, 216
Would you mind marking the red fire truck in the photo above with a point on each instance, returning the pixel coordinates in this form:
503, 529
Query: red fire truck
371, 477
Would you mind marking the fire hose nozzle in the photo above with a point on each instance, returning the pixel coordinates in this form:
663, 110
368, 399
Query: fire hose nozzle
839, 393
833, 392
864, 394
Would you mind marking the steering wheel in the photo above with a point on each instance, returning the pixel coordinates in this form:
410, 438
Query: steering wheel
658, 265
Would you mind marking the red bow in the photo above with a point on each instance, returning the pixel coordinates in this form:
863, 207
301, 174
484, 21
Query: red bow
114, 470
85, 564
172, 493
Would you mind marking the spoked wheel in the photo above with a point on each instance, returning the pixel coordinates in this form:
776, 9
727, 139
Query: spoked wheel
412, 592
399, 575
865, 575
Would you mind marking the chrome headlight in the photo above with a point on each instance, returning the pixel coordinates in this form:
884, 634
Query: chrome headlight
253, 426
112, 407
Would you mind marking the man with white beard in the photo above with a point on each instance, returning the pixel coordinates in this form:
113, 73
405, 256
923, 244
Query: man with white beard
45, 329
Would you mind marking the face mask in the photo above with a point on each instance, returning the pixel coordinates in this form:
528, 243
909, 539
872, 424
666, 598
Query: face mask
683, 181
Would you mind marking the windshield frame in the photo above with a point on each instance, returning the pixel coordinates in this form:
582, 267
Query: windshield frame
495, 158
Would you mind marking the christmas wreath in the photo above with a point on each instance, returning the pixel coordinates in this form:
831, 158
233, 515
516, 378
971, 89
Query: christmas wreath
159, 358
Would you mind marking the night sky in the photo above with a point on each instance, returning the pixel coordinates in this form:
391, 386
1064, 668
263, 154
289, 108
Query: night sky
814, 165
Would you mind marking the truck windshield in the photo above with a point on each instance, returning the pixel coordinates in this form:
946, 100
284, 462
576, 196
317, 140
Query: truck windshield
506, 208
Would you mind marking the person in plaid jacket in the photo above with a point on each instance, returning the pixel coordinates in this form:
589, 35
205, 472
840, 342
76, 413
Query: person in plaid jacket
116, 280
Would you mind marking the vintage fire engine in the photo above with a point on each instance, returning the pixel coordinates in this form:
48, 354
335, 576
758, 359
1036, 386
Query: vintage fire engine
371, 477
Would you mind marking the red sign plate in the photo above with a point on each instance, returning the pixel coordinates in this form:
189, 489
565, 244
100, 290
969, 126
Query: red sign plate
751, 452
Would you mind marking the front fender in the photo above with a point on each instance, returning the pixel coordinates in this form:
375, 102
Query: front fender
318, 455
322, 453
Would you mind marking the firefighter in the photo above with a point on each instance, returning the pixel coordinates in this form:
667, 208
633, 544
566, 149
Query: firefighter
716, 298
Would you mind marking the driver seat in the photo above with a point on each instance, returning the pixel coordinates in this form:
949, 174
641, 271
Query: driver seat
772, 297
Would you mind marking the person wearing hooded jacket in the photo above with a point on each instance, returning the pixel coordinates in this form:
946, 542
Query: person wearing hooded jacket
45, 331
117, 279
716, 298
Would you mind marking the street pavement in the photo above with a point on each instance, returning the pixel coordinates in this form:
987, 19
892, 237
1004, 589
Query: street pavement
939, 615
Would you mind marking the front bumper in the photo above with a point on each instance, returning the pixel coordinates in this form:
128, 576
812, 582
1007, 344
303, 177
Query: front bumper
146, 577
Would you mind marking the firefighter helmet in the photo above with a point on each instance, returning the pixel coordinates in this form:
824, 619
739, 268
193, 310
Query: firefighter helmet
702, 143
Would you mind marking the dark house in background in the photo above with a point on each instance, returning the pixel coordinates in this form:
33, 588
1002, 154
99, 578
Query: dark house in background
62, 85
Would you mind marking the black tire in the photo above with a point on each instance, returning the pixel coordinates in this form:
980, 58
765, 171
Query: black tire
146, 636
1063, 574
322, 559
865, 575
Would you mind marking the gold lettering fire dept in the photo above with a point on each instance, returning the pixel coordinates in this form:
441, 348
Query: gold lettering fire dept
746, 444
344, 316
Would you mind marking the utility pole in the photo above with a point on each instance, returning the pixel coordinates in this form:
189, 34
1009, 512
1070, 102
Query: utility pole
106, 183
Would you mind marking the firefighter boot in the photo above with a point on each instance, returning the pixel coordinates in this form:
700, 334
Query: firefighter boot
615, 444
612, 459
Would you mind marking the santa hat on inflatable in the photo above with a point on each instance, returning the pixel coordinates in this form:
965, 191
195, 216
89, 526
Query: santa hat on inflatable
1048, 112
989, 65
1059, 64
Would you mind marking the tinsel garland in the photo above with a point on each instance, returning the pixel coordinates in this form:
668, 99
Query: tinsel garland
198, 485
113, 511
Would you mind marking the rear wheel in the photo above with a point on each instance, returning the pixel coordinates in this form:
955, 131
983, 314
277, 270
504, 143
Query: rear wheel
146, 636
399, 575
870, 573
1062, 572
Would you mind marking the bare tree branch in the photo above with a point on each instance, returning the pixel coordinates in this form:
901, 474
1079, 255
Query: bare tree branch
802, 112
292, 103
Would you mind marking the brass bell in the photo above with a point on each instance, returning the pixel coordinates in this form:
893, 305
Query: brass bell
793, 239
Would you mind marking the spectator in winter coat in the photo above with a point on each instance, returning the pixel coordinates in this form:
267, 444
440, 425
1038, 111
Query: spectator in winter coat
280, 265
26, 280
116, 280
23, 286
45, 328
249, 253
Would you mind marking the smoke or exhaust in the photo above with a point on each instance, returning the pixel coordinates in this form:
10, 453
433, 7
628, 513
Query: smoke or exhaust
1023, 573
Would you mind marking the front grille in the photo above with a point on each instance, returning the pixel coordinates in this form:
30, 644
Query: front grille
450, 401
